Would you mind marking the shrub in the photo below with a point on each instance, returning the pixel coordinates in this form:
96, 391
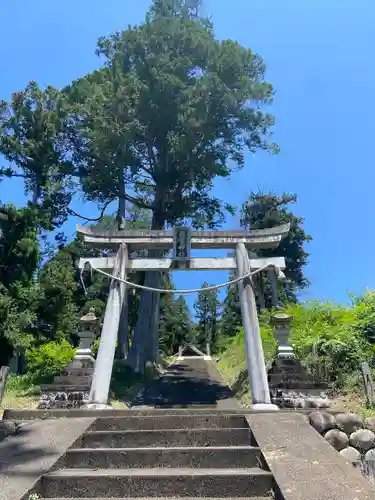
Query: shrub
365, 317
268, 340
50, 358
327, 341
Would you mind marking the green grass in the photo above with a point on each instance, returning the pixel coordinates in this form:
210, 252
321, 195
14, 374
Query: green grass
23, 391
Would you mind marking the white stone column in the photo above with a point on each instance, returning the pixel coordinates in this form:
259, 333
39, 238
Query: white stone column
282, 324
254, 351
106, 353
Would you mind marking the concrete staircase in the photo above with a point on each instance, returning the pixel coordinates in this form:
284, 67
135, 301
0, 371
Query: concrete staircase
159, 455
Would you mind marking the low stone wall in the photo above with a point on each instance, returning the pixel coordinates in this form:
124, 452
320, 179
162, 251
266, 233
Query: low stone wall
352, 436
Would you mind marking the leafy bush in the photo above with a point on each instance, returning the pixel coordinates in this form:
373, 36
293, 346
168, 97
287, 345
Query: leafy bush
268, 340
95, 347
365, 317
329, 339
50, 358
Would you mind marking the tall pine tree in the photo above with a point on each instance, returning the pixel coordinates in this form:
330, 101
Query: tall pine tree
266, 210
206, 308
172, 109
175, 325
231, 318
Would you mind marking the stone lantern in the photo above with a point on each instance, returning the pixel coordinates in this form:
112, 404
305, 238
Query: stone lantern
87, 330
282, 324
71, 388
291, 385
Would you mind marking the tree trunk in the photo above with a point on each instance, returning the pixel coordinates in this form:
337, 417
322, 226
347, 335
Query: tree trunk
146, 335
262, 303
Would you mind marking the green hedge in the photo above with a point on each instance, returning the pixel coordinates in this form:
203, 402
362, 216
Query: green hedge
50, 358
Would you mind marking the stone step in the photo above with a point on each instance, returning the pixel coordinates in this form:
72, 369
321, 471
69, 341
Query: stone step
82, 413
65, 387
156, 483
270, 496
165, 437
170, 422
72, 380
122, 458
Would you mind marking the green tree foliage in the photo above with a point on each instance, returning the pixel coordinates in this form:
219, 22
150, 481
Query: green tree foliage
19, 259
266, 210
60, 295
231, 318
172, 106
206, 308
31, 139
175, 325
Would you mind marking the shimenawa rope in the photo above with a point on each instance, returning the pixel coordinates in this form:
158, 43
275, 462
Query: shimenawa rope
179, 292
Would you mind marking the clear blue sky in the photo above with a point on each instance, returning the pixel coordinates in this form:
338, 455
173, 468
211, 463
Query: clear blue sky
319, 57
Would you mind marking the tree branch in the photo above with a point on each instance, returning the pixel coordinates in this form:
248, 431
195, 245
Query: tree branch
89, 219
138, 202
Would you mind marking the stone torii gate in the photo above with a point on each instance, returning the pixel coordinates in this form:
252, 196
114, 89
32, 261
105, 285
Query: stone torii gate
182, 240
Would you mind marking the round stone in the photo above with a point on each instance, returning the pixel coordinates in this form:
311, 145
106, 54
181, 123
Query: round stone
362, 440
338, 439
370, 423
349, 422
322, 421
370, 456
351, 454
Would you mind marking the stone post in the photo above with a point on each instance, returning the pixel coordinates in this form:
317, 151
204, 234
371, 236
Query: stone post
106, 353
4, 370
282, 324
254, 351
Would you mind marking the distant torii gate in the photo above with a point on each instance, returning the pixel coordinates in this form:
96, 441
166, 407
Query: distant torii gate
182, 240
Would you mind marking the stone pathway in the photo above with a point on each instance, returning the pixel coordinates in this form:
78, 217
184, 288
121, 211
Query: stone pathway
189, 382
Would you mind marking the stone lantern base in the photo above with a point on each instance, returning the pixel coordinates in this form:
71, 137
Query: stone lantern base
291, 386
71, 388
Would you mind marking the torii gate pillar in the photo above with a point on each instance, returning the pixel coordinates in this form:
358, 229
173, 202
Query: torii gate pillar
257, 374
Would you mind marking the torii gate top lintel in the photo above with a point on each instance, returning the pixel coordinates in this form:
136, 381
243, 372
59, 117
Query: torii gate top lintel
260, 238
